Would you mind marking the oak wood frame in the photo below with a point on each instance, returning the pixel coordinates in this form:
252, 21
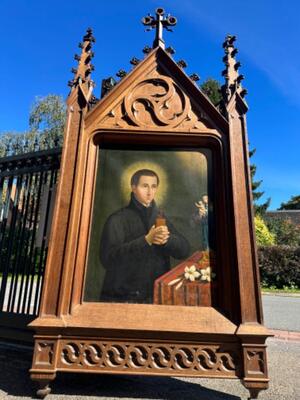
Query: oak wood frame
72, 335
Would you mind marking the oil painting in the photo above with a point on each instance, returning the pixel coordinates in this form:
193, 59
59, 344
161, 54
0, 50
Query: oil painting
152, 234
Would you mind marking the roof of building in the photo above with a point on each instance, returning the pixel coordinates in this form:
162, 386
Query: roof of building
291, 215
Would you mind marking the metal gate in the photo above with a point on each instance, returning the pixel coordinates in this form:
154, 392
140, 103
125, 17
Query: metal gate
27, 194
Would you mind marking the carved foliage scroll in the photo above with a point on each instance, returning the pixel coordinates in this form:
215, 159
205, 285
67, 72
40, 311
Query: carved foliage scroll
156, 102
150, 357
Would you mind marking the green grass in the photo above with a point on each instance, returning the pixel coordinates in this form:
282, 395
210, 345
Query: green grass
286, 289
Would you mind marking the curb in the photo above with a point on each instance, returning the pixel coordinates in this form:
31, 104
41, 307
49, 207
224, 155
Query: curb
290, 336
280, 294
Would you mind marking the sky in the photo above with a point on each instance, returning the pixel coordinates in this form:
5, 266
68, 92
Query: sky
39, 40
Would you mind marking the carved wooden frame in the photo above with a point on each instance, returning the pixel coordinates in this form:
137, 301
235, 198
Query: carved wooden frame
226, 340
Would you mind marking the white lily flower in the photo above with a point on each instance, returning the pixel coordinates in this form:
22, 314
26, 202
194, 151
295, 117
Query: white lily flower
191, 273
206, 274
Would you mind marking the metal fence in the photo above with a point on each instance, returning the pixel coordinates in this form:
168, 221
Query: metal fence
27, 194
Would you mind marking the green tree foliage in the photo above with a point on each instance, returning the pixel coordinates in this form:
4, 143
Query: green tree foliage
292, 204
212, 89
263, 236
258, 208
47, 116
279, 266
285, 231
46, 123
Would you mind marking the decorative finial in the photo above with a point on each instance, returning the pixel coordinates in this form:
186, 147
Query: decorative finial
89, 36
84, 68
93, 101
121, 73
107, 85
231, 72
159, 23
146, 50
170, 50
195, 77
134, 61
182, 64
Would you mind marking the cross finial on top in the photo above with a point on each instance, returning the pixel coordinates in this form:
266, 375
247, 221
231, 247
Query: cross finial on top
161, 21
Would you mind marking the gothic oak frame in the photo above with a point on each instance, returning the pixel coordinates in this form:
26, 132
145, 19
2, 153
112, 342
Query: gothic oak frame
226, 340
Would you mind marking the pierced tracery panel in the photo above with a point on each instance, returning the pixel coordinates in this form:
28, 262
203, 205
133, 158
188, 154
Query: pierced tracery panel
205, 360
156, 102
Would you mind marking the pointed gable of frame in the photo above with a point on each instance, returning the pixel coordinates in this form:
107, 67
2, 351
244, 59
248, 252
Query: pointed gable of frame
156, 95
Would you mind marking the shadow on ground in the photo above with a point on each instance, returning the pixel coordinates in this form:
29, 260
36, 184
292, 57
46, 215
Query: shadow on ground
15, 381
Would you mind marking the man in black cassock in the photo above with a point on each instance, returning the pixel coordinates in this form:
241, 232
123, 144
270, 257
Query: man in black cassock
133, 250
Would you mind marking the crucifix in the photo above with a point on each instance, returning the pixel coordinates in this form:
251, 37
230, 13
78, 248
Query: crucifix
161, 21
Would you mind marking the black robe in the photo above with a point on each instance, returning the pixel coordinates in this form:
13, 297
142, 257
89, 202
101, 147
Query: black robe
131, 264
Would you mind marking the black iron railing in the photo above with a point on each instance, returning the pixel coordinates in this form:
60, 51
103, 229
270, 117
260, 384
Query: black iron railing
27, 194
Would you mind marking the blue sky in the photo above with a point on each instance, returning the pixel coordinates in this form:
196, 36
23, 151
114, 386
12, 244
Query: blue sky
39, 40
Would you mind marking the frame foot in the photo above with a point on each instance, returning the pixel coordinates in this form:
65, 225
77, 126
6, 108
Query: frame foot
254, 393
43, 389
43, 381
254, 388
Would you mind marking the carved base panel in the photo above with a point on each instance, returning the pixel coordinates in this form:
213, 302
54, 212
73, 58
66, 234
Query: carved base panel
153, 358
149, 358
206, 359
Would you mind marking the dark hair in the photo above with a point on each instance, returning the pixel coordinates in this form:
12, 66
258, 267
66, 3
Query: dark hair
142, 172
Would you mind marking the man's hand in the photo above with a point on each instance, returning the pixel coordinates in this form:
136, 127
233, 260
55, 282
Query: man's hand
159, 235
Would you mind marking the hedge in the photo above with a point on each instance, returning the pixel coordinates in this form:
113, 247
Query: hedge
279, 266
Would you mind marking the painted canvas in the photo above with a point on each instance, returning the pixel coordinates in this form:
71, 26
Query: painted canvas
152, 236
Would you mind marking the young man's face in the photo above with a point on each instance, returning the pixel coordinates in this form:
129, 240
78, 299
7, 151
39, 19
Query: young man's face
145, 190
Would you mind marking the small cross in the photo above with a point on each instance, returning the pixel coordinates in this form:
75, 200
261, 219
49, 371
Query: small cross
161, 21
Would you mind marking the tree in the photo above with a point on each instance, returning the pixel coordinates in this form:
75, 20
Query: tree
292, 204
212, 88
10, 142
263, 236
286, 232
258, 208
47, 116
46, 123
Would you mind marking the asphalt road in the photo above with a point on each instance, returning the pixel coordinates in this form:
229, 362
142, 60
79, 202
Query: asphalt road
282, 312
